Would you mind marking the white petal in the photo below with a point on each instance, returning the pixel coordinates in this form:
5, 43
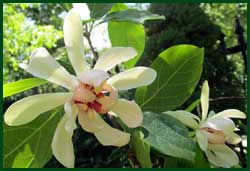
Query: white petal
62, 146
204, 100
133, 78
73, 38
230, 113
71, 111
224, 124
108, 136
114, 56
29, 108
93, 77
202, 139
185, 117
43, 65
233, 138
129, 112
82, 10
222, 156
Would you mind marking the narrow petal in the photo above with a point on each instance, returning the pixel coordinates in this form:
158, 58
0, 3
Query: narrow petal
62, 146
43, 65
222, 156
230, 113
224, 124
73, 38
129, 112
233, 138
185, 117
108, 136
202, 139
29, 108
133, 78
93, 77
114, 56
204, 100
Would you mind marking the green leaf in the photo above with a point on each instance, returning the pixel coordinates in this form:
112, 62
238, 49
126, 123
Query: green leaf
200, 158
98, 10
131, 15
29, 146
178, 71
141, 149
21, 85
168, 136
127, 34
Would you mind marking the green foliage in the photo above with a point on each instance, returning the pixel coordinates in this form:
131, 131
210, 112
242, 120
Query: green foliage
168, 136
178, 72
127, 34
21, 85
132, 15
98, 10
141, 149
29, 146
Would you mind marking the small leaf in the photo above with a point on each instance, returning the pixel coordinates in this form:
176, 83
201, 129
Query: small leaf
131, 15
127, 34
141, 149
178, 71
29, 145
21, 85
168, 136
98, 10
191, 107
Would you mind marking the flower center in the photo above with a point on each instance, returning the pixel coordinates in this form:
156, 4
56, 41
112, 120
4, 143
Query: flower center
101, 98
215, 136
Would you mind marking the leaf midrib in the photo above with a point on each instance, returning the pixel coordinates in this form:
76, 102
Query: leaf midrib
161, 87
26, 139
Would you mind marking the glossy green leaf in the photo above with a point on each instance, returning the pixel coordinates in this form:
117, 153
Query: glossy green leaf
178, 71
131, 15
98, 10
127, 34
29, 145
141, 149
21, 85
168, 136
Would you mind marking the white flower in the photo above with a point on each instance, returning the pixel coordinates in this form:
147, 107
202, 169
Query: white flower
92, 93
213, 131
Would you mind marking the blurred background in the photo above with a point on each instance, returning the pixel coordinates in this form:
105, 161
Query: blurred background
219, 28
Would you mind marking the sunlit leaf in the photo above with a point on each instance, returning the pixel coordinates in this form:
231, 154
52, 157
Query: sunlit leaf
21, 85
29, 146
178, 71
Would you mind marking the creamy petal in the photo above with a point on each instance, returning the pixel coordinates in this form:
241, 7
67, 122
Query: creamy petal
73, 38
129, 112
230, 113
222, 156
62, 146
43, 65
204, 100
106, 135
233, 138
29, 108
202, 139
185, 117
114, 56
133, 78
93, 77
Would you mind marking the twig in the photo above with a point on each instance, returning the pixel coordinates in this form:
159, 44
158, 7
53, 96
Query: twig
228, 98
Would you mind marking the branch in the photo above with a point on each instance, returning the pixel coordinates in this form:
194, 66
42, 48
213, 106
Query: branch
228, 98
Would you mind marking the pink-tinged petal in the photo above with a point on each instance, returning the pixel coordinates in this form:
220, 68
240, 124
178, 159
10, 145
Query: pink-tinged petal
113, 57
133, 78
29, 108
43, 65
73, 38
129, 112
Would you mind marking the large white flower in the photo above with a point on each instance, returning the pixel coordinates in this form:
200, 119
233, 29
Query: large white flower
213, 131
92, 93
